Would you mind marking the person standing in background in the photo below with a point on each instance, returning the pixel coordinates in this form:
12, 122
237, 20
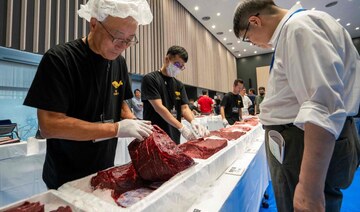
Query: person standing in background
137, 104
312, 95
232, 104
80, 89
163, 93
205, 103
258, 99
246, 102
252, 96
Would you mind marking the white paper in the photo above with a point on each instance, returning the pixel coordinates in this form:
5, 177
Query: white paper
277, 145
235, 170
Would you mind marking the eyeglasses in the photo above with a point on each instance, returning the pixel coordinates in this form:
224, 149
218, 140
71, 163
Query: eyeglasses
121, 42
246, 39
181, 67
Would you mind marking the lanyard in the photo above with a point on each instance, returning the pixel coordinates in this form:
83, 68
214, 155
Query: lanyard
273, 57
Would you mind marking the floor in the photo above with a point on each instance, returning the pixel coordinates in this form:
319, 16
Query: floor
350, 203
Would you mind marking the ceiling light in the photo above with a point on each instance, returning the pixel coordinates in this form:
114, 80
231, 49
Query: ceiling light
348, 24
298, 2
357, 28
213, 26
218, 14
338, 19
196, 8
224, 39
273, 49
230, 30
232, 48
239, 55
205, 18
313, 8
251, 44
331, 4
238, 41
244, 50
255, 52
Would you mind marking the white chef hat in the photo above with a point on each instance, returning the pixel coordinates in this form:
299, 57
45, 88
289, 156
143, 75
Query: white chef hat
100, 9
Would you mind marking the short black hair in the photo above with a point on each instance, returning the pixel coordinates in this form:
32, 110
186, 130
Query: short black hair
252, 90
136, 90
237, 81
247, 8
262, 88
178, 50
204, 92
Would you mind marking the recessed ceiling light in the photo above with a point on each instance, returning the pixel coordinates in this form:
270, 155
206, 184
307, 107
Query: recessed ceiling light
338, 19
224, 39
219, 33
251, 44
213, 26
218, 14
232, 48
244, 50
357, 28
331, 4
239, 55
273, 49
348, 24
196, 8
313, 8
238, 41
205, 18
255, 52
230, 30
298, 2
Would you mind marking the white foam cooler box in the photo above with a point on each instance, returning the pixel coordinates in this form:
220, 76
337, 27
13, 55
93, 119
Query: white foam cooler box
51, 200
177, 194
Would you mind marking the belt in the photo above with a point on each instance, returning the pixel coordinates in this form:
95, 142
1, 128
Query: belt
282, 127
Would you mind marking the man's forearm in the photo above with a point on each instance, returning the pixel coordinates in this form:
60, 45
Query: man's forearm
318, 149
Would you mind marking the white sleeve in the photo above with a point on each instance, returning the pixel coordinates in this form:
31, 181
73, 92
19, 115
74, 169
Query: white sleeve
315, 77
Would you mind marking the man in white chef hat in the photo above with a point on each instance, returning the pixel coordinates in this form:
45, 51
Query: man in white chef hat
80, 90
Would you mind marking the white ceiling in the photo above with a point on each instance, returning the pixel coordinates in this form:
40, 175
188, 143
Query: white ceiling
348, 11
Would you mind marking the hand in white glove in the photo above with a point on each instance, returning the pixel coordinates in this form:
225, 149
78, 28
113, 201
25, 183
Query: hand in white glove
186, 133
134, 128
199, 129
225, 122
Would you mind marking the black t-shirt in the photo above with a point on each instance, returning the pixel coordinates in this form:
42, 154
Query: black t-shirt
72, 79
171, 91
232, 104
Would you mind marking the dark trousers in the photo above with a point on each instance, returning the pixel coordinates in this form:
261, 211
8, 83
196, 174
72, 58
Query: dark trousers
285, 177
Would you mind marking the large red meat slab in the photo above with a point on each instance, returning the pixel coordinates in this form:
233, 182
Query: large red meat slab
28, 207
227, 135
158, 158
120, 179
203, 148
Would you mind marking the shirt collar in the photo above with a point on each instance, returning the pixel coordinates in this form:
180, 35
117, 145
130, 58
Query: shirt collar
275, 36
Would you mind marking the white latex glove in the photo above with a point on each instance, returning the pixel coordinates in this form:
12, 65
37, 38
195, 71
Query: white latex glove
186, 133
225, 122
134, 128
199, 129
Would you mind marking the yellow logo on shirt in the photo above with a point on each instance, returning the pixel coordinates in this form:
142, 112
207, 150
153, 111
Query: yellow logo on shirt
116, 85
177, 95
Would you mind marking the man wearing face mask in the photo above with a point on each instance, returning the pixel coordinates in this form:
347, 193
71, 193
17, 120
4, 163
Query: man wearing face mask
163, 93
258, 99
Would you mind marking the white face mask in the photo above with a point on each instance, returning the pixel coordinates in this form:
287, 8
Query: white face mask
172, 70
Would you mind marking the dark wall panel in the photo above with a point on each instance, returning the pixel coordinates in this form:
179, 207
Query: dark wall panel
16, 25
29, 26
42, 19
3, 19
